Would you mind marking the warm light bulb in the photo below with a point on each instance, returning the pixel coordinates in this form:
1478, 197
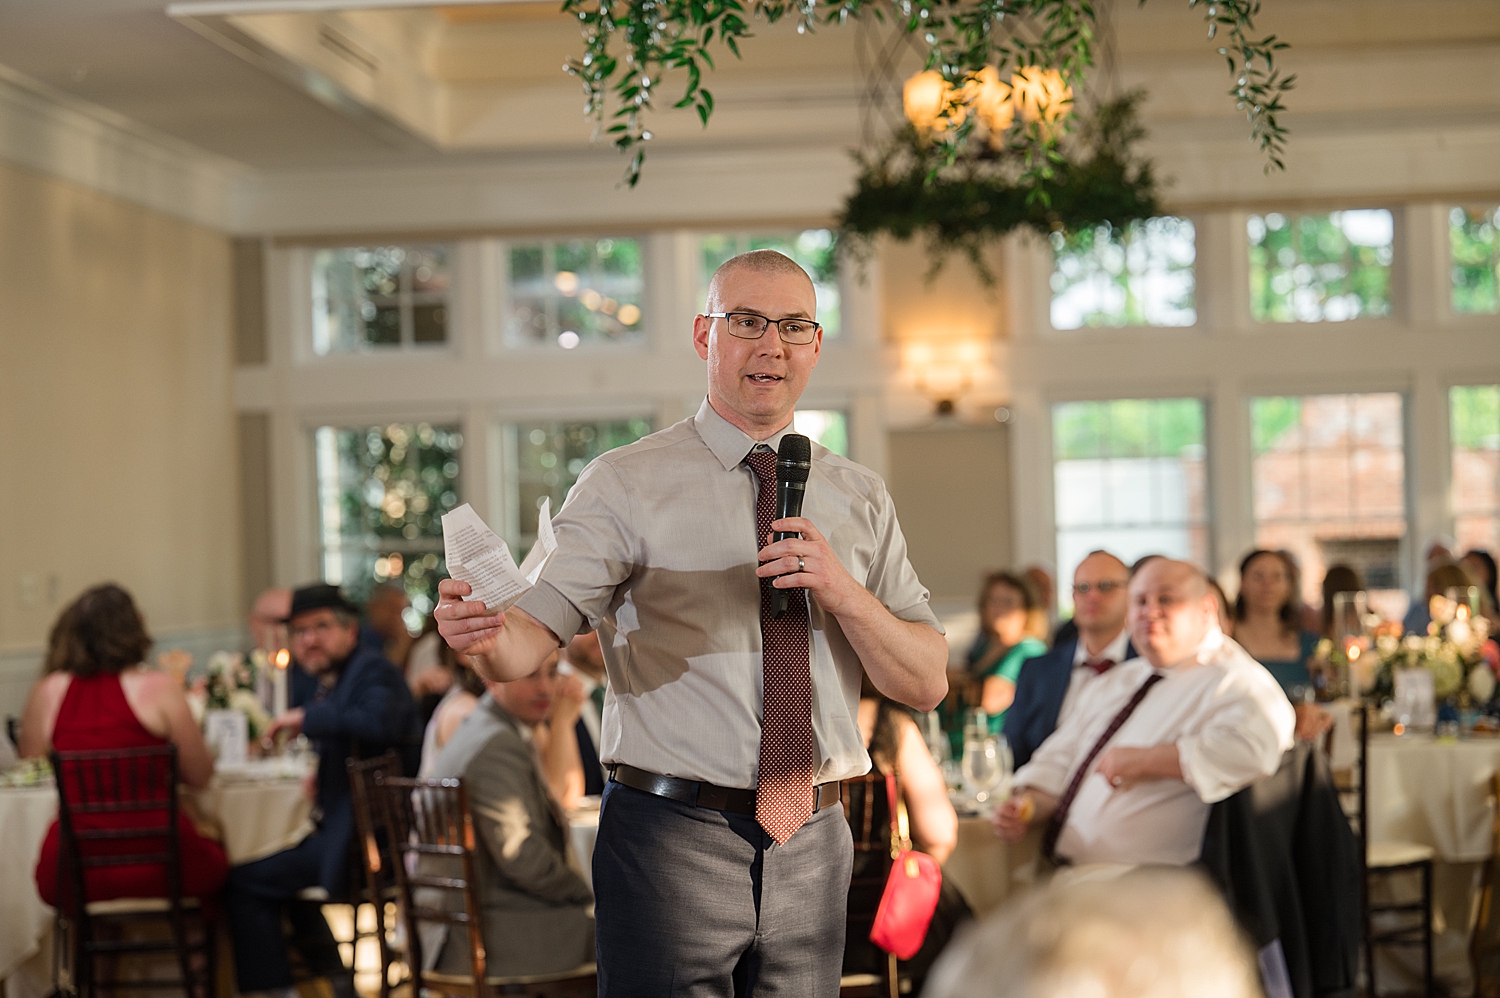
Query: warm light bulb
992, 101
924, 97
283, 659
1041, 95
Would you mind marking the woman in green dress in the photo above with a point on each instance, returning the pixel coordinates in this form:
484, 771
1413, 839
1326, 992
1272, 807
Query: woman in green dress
1008, 615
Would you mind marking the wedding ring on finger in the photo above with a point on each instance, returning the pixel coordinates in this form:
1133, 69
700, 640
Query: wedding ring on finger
801, 565
1117, 780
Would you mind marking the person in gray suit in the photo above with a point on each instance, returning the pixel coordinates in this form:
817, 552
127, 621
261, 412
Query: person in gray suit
535, 901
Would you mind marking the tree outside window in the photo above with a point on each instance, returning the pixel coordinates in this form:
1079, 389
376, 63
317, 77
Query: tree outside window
544, 459
380, 297
1474, 421
1129, 476
1320, 268
382, 492
1474, 242
569, 292
1141, 275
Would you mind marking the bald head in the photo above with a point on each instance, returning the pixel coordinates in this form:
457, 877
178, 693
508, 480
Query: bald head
267, 619
762, 261
1172, 610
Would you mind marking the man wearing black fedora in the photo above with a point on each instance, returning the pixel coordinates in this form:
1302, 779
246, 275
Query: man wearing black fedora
362, 709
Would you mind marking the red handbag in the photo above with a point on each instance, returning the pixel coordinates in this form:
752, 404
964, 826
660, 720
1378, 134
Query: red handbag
911, 890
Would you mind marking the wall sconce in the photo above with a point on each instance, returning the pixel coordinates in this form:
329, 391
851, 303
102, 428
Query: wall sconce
944, 370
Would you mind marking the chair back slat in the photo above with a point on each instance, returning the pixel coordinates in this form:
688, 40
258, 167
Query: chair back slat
94, 786
429, 823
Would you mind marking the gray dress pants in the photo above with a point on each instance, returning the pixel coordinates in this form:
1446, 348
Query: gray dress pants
700, 903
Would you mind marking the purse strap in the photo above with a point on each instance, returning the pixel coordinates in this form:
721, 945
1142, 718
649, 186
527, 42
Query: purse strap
900, 822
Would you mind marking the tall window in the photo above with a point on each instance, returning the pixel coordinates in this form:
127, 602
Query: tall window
382, 491
812, 248
567, 292
1320, 268
543, 460
1474, 242
1129, 477
1139, 276
379, 297
1329, 477
1475, 421
829, 427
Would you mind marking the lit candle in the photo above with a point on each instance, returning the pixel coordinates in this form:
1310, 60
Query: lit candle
278, 683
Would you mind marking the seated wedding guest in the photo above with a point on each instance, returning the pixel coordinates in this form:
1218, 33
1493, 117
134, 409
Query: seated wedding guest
585, 659
536, 904
1050, 684
457, 704
1440, 578
1129, 776
426, 673
385, 613
1439, 551
1145, 934
1268, 619
556, 739
1006, 640
1338, 579
897, 747
1480, 565
268, 619
362, 709
97, 694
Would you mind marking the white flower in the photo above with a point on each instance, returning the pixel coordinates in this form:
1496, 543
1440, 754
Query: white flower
245, 702
1482, 684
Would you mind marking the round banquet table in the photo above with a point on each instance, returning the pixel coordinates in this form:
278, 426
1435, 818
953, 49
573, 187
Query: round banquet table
1438, 793
259, 806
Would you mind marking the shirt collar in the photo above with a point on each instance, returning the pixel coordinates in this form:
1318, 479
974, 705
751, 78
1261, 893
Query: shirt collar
1114, 651
488, 702
728, 442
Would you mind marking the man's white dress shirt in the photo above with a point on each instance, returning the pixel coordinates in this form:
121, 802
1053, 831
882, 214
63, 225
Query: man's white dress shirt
1229, 720
1081, 677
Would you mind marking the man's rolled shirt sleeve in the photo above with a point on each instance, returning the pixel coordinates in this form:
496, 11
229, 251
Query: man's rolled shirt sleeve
595, 554
1239, 742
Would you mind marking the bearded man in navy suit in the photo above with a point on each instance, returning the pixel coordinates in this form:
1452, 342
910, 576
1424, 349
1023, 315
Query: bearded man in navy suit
1050, 684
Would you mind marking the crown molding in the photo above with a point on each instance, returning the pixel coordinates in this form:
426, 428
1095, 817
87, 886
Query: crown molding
44, 129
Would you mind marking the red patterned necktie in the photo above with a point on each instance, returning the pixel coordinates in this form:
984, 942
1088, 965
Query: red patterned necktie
784, 798
1065, 802
1100, 665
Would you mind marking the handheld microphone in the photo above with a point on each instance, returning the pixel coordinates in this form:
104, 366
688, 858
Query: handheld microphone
793, 462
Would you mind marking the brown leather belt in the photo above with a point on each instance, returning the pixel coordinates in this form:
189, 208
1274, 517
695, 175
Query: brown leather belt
700, 794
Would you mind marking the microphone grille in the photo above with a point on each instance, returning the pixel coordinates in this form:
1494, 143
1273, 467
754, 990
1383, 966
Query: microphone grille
794, 458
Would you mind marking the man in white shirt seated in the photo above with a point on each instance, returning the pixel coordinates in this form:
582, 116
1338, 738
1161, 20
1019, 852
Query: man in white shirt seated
1129, 776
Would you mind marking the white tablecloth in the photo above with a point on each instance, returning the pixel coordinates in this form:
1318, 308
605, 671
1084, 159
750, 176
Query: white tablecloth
259, 816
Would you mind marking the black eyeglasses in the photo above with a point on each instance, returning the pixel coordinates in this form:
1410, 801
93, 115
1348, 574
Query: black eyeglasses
752, 326
1103, 588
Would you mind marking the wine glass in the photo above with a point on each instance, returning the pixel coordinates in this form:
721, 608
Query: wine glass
983, 768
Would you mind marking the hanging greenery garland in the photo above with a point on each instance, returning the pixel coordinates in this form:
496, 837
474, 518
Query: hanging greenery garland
630, 45
982, 193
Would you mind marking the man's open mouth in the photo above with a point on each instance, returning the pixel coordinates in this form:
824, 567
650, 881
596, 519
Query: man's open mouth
764, 379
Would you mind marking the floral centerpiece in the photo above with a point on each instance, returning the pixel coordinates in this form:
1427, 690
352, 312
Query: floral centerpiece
230, 682
1456, 649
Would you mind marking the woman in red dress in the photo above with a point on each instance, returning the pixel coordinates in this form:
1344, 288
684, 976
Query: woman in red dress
95, 694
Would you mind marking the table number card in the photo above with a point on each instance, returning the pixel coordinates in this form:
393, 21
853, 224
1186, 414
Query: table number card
227, 733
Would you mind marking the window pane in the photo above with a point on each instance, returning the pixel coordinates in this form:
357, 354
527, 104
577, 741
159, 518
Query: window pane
1474, 239
1128, 476
829, 427
812, 248
379, 297
382, 491
1329, 475
574, 291
1475, 429
1139, 276
1320, 268
548, 457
